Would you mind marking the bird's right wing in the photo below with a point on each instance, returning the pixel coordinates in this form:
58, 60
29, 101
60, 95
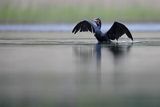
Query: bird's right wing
117, 30
84, 26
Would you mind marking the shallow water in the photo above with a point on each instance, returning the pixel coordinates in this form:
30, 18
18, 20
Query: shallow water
59, 70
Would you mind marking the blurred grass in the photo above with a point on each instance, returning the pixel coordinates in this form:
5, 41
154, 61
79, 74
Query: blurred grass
66, 14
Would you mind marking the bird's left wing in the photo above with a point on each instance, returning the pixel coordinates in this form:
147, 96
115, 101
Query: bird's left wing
117, 30
84, 26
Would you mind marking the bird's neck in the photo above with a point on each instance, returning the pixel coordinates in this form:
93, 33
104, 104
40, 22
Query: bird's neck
99, 27
98, 35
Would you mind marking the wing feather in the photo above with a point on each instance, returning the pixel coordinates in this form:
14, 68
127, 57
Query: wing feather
117, 30
84, 26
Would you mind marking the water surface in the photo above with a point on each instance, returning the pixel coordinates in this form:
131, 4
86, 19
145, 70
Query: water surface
62, 70
138, 27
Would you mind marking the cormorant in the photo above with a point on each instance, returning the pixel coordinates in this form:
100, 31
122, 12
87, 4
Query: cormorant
115, 32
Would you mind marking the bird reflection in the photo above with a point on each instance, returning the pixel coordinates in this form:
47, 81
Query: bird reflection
117, 50
90, 59
120, 53
87, 53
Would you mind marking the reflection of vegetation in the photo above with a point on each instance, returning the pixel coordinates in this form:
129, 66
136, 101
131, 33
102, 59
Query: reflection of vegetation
74, 13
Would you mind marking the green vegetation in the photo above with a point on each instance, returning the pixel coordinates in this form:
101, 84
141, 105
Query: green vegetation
62, 14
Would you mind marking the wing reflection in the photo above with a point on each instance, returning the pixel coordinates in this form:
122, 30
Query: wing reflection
89, 54
119, 50
120, 58
89, 59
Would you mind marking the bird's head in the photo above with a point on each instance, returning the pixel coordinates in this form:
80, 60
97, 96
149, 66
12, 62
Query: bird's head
98, 22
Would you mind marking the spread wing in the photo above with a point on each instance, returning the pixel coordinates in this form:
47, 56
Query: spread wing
117, 30
84, 26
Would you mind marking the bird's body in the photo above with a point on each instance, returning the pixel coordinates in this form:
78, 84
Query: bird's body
116, 30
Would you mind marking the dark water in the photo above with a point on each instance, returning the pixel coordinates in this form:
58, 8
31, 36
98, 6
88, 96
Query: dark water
79, 72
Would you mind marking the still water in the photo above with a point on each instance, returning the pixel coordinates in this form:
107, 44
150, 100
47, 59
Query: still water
62, 70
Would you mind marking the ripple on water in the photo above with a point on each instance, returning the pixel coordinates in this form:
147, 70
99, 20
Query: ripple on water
81, 41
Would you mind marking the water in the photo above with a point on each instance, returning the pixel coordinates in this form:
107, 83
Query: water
61, 70
140, 27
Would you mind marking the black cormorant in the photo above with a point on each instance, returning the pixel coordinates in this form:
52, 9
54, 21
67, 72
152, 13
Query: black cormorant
115, 32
